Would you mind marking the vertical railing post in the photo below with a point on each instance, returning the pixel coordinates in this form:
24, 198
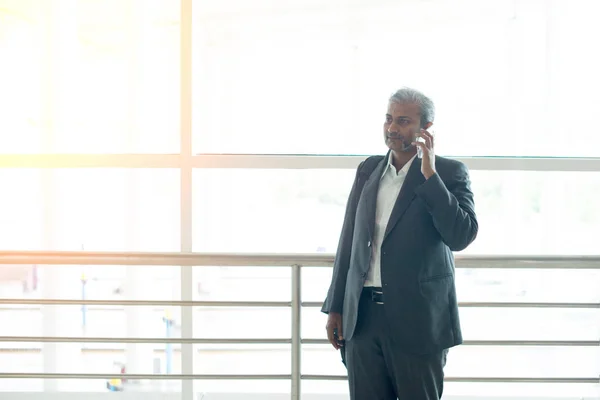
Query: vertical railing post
186, 276
296, 331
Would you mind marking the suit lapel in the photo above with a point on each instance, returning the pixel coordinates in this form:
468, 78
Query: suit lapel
370, 191
414, 178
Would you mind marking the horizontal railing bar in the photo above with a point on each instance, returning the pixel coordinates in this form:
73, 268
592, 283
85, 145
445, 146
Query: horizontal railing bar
527, 262
564, 343
277, 377
497, 305
118, 350
177, 303
79, 339
269, 303
164, 259
76, 339
171, 377
286, 342
281, 260
526, 305
473, 379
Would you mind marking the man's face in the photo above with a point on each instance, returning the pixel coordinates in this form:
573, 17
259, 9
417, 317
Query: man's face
402, 123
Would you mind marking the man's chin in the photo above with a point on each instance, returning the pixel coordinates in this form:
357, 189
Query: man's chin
402, 148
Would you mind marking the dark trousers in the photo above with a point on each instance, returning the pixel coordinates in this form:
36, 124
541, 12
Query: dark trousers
379, 370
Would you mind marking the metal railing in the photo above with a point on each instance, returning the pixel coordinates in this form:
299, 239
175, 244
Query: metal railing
297, 262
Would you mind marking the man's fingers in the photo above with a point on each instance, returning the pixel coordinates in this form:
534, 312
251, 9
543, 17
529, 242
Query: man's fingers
428, 137
334, 330
422, 145
331, 338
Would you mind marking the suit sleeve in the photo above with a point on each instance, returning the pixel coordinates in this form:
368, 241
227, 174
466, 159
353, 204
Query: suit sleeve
335, 296
452, 207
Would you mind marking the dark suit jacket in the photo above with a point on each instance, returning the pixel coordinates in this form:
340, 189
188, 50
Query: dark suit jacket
431, 219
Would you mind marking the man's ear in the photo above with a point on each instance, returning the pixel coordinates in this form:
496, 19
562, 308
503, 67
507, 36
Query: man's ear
427, 125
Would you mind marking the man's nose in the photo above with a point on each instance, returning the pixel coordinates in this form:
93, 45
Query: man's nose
392, 128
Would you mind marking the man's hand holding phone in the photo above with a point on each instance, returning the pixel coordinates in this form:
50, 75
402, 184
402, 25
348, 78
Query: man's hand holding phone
425, 150
334, 330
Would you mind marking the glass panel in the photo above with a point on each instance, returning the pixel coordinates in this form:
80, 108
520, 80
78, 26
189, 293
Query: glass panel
315, 283
90, 321
243, 322
528, 285
316, 390
21, 210
109, 82
79, 359
550, 213
324, 72
500, 324
522, 391
524, 361
530, 324
338, 390
242, 389
268, 284
96, 389
239, 359
321, 360
90, 209
242, 284
302, 211
110, 322
271, 210
465, 361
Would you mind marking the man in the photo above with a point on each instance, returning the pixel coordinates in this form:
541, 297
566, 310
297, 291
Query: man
392, 301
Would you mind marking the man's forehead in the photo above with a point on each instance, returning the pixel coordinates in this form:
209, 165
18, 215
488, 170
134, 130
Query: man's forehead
404, 109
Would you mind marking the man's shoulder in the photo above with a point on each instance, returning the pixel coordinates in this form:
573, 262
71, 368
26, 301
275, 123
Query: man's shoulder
369, 164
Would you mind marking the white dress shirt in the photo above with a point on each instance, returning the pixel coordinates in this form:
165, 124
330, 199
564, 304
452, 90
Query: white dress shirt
389, 188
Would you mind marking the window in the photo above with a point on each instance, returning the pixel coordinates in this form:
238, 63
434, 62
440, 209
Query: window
302, 211
271, 82
93, 210
293, 211
89, 76
309, 78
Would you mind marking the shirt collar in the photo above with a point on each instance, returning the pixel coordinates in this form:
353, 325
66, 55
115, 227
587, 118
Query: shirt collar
390, 166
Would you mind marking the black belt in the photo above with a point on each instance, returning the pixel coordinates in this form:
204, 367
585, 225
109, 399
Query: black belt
375, 294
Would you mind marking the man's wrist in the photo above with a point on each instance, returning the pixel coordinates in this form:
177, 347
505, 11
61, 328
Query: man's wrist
429, 174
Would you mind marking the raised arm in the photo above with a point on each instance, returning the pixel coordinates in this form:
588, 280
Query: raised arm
452, 206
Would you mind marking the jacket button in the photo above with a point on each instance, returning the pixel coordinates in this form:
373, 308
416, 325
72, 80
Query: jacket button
369, 243
364, 275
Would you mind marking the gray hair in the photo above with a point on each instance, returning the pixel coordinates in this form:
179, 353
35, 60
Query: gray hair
411, 96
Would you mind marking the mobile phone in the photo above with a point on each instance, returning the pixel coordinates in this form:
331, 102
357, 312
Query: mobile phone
418, 138
337, 338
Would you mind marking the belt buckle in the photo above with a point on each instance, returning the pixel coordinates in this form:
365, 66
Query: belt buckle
376, 293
